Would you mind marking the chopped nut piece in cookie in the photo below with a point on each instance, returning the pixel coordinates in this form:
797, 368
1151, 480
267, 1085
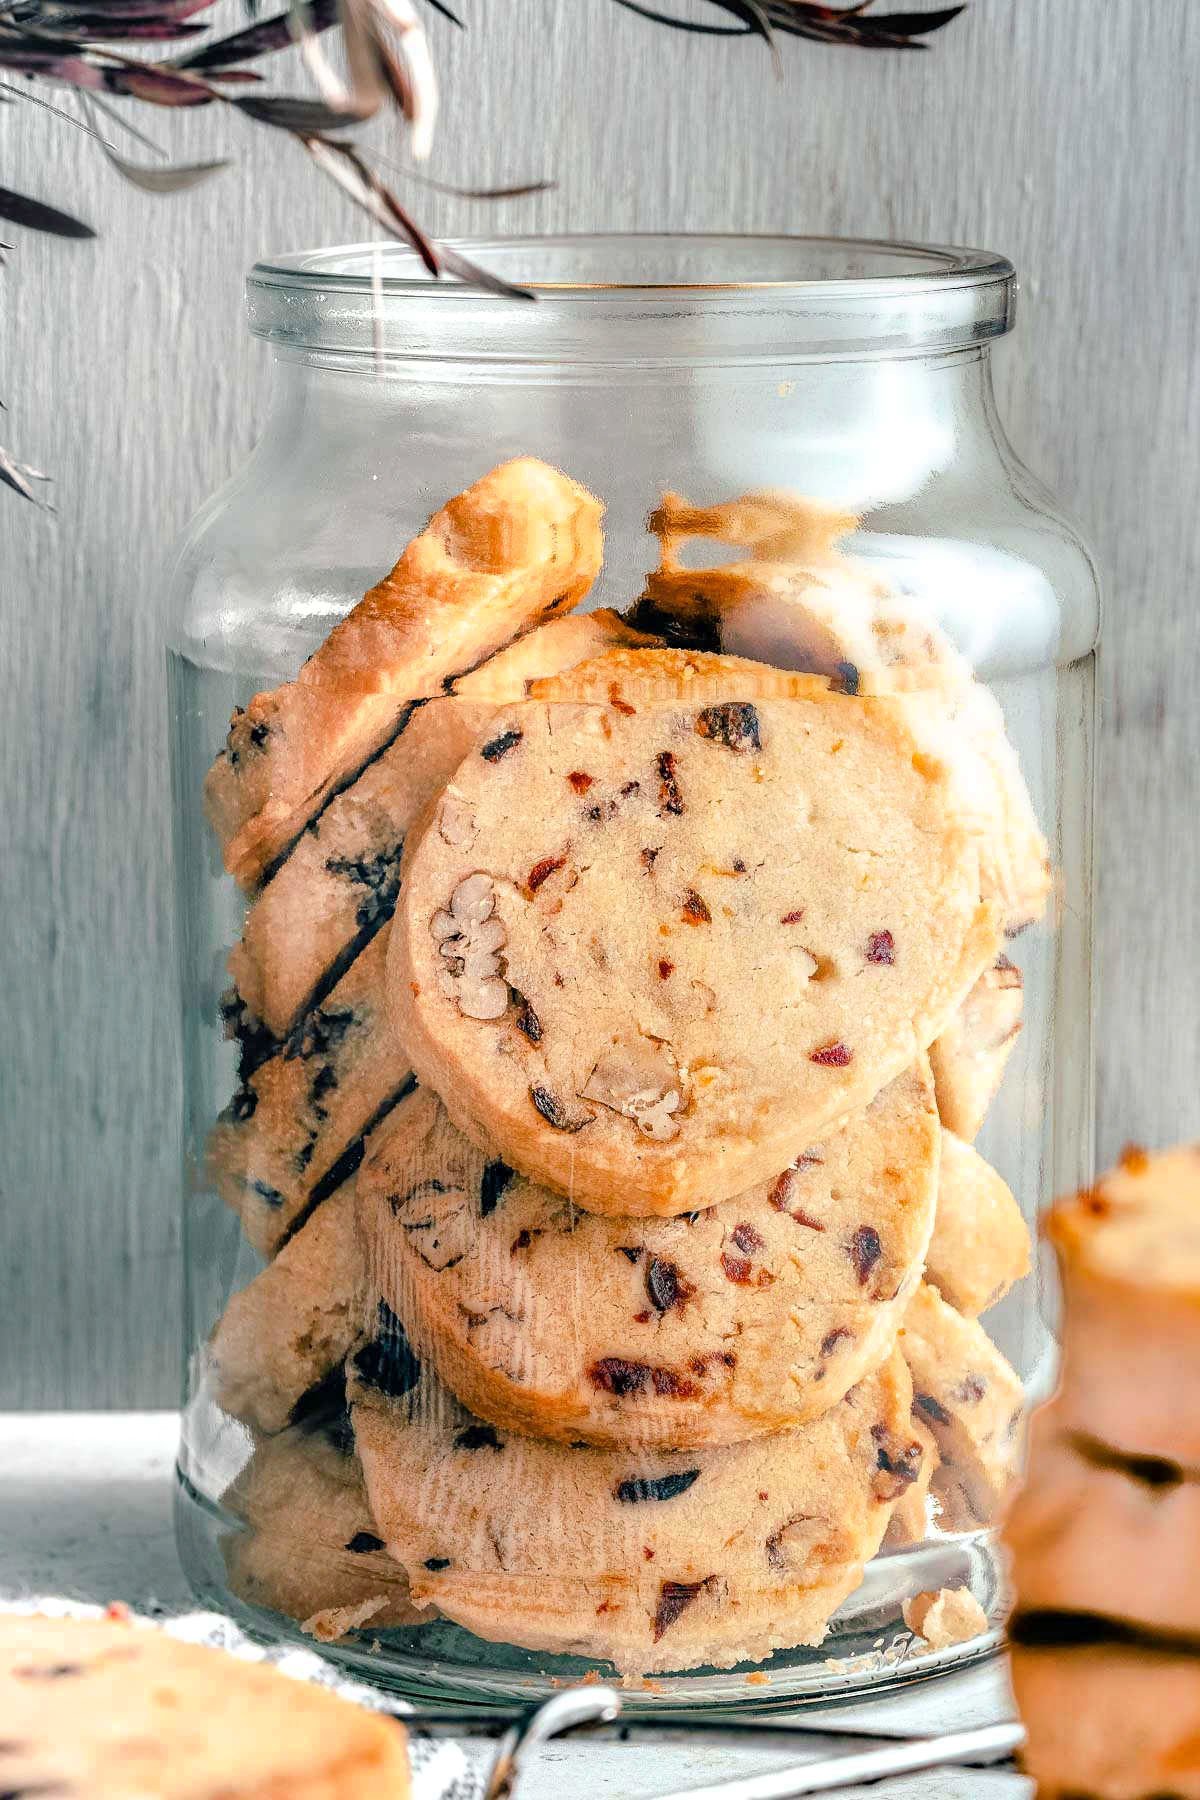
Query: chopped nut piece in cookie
640, 1081
469, 938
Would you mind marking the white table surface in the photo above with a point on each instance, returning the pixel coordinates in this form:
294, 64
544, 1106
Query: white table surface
85, 1512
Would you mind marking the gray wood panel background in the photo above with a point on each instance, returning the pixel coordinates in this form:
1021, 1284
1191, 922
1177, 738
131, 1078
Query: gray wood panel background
1063, 132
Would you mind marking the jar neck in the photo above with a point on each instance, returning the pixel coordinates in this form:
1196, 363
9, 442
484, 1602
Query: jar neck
864, 431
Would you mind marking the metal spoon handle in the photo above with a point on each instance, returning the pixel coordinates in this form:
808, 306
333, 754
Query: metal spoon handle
987, 1743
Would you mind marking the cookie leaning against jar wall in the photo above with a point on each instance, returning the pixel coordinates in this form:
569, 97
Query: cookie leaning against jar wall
611, 1338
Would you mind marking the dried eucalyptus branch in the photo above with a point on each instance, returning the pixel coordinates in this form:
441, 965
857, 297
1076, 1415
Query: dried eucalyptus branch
74, 45
804, 19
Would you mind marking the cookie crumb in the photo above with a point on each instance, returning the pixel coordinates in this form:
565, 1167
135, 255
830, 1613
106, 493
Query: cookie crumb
334, 1622
949, 1616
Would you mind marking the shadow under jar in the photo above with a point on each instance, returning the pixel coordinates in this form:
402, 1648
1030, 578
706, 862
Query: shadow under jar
634, 792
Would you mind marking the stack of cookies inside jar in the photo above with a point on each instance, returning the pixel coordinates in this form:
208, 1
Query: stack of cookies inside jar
616, 1002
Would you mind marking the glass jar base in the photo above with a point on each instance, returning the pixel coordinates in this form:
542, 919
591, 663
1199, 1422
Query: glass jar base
869, 1649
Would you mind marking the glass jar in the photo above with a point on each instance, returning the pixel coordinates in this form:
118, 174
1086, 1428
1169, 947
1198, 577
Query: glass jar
723, 872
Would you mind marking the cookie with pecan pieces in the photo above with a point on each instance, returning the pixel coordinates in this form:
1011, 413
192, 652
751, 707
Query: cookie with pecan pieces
337, 886
654, 944
307, 1546
520, 546
973, 1403
710, 1328
652, 1559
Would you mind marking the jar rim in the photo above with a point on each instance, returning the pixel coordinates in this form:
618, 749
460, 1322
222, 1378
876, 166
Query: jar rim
623, 296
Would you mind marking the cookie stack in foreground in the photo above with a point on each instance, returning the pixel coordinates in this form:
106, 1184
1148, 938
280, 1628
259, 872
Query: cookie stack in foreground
1105, 1536
600, 1023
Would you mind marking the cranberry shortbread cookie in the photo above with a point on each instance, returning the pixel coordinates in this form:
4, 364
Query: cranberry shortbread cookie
745, 1318
800, 603
973, 1403
1099, 1529
660, 1559
1111, 1719
337, 887
980, 1246
297, 1128
307, 1546
295, 1321
1129, 1256
106, 1709
969, 1057
654, 947
520, 546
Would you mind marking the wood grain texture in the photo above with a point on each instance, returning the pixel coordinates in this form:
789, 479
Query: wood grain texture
1061, 133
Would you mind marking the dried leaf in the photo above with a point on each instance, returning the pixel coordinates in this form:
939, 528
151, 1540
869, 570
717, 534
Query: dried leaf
420, 75
19, 209
353, 175
159, 84
72, 18
519, 190
455, 263
701, 26
270, 34
852, 25
291, 112
20, 476
174, 178
73, 71
122, 124
98, 30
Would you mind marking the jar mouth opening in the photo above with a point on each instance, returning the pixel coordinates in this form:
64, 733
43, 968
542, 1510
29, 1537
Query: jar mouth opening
576, 266
618, 297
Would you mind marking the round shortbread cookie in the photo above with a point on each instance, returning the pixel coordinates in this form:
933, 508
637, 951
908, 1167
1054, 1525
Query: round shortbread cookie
105, 1709
654, 948
308, 1546
709, 1328
1097, 1529
1109, 1720
969, 1058
654, 1559
1129, 1258
799, 602
972, 1401
980, 1245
